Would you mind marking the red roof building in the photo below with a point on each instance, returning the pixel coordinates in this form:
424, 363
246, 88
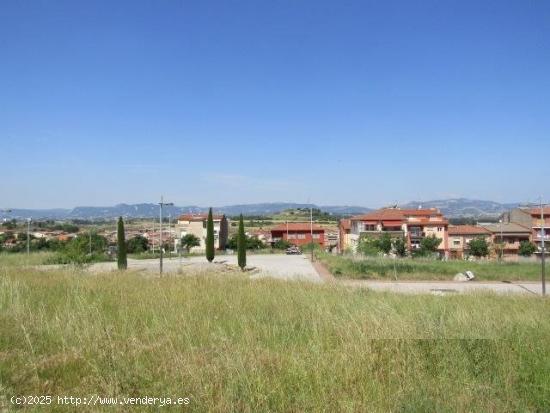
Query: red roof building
460, 237
412, 224
299, 233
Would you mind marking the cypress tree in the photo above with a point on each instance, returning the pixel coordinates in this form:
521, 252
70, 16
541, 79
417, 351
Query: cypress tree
121, 242
241, 244
210, 237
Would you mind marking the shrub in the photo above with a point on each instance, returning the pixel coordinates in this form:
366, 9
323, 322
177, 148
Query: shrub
479, 247
526, 248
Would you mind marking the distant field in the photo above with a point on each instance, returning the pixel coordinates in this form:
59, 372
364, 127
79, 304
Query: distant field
232, 344
425, 269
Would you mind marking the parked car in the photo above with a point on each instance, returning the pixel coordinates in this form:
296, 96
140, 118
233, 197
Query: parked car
293, 250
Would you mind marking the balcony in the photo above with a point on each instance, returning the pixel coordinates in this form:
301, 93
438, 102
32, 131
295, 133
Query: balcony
416, 234
379, 233
539, 237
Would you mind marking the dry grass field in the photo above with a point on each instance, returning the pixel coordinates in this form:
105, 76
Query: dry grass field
234, 344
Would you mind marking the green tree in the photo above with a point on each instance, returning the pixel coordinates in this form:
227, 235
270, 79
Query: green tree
189, 241
428, 246
76, 251
241, 244
384, 243
121, 243
137, 244
367, 245
526, 248
479, 247
210, 237
224, 232
281, 244
254, 243
400, 246
10, 224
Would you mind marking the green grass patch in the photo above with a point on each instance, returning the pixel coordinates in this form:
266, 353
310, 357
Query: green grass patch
11, 259
426, 269
234, 344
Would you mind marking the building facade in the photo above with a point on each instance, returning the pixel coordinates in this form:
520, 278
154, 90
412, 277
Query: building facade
411, 224
344, 232
460, 237
196, 224
507, 237
540, 228
299, 233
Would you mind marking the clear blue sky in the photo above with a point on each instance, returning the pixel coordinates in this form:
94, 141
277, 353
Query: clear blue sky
214, 103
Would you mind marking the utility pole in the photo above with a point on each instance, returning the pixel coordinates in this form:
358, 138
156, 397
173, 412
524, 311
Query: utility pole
29, 236
501, 258
90, 241
170, 230
542, 244
311, 229
543, 252
161, 204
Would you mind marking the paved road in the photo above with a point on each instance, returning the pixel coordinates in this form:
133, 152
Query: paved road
295, 267
446, 287
298, 267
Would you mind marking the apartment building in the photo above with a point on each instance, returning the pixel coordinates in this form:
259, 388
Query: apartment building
196, 224
344, 230
299, 233
540, 224
412, 224
460, 237
508, 236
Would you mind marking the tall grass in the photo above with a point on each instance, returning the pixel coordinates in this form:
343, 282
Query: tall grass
232, 344
426, 269
22, 259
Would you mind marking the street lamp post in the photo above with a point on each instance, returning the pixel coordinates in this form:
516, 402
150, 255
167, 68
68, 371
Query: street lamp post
311, 229
542, 244
29, 235
543, 249
161, 204
90, 241
501, 242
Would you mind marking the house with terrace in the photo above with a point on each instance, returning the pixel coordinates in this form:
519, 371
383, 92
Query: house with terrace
460, 237
411, 224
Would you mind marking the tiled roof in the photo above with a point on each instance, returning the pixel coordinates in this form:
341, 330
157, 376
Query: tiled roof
536, 211
389, 214
345, 224
507, 227
468, 230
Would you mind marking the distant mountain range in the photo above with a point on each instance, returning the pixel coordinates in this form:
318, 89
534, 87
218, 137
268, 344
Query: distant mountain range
452, 208
462, 207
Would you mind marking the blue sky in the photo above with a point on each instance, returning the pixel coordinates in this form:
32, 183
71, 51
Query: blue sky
214, 103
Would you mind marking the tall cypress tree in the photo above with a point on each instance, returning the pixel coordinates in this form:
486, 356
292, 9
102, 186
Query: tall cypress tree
241, 244
210, 237
121, 242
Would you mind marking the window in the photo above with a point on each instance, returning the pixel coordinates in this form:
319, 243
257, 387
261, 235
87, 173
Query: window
316, 236
291, 236
301, 236
456, 242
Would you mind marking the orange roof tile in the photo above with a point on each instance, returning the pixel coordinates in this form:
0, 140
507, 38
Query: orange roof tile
467, 230
536, 211
345, 224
